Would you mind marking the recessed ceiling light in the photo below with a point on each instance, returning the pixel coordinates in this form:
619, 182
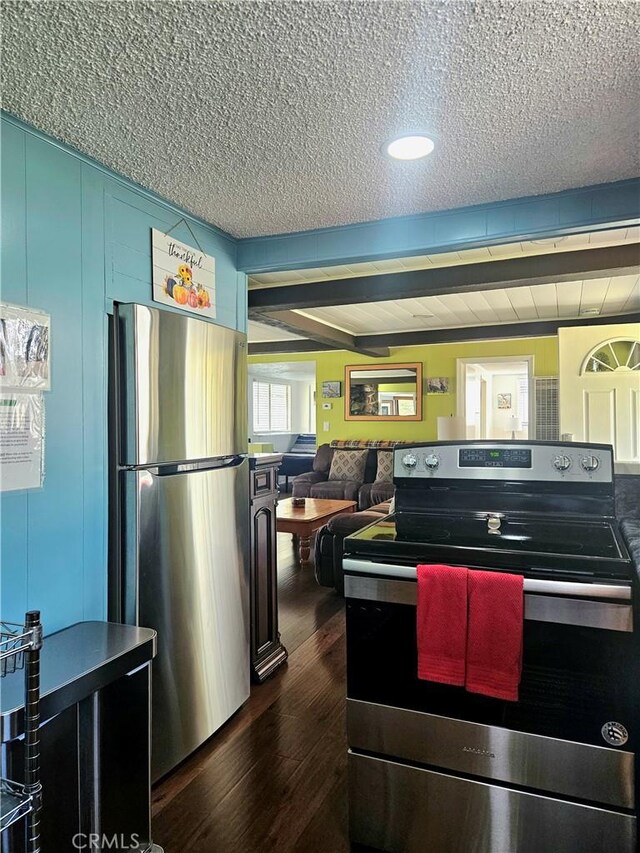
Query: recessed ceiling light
589, 312
410, 147
422, 316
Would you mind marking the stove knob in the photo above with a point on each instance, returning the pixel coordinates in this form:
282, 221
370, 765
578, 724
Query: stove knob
562, 463
590, 463
431, 461
409, 461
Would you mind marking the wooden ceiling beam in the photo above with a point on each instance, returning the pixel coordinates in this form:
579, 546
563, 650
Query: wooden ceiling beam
538, 328
314, 330
464, 278
528, 329
276, 347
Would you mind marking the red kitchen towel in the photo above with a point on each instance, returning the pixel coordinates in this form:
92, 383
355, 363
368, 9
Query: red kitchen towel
494, 637
442, 623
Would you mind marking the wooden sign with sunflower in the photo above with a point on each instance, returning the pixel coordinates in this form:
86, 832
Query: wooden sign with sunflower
183, 277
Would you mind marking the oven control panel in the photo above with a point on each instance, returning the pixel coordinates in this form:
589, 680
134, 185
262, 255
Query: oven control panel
494, 457
514, 460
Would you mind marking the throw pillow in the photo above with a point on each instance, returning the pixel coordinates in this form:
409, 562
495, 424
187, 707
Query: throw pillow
384, 472
348, 465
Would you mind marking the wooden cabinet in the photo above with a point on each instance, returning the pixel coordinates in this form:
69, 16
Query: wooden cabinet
267, 652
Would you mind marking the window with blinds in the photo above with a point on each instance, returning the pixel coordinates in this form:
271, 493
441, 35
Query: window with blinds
523, 402
271, 407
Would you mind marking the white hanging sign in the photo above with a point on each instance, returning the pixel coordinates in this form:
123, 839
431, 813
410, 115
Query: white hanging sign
183, 277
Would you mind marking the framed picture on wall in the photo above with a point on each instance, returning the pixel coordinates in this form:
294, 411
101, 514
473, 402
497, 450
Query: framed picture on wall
438, 385
405, 405
332, 389
504, 401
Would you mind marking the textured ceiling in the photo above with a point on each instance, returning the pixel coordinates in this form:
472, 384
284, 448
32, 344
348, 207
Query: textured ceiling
267, 117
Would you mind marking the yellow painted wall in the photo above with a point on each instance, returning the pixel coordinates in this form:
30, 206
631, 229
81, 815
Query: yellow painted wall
437, 360
397, 388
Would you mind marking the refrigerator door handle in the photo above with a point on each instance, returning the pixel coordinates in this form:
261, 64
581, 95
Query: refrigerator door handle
170, 468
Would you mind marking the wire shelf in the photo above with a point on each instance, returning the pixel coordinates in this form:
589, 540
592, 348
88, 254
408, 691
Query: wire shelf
15, 640
15, 803
20, 649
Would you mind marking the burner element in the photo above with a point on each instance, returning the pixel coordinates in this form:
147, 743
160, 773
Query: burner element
436, 535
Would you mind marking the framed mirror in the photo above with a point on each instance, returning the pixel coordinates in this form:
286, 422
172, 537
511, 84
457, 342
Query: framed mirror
385, 392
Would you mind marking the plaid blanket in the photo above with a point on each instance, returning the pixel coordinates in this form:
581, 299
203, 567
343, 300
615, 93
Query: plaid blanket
354, 442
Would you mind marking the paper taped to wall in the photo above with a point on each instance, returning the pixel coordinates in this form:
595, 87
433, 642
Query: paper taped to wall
21, 441
24, 348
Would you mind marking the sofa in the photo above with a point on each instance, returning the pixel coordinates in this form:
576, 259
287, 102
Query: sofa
330, 538
327, 480
627, 492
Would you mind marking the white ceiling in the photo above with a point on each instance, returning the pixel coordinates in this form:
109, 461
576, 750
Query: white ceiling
611, 296
269, 117
500, 368
261, 332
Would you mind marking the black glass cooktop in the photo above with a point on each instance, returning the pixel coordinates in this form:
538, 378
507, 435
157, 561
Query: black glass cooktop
521, 543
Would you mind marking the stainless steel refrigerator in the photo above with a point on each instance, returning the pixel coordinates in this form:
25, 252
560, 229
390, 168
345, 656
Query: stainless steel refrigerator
181, 502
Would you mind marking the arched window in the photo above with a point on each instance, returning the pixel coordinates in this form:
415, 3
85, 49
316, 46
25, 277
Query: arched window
618, 354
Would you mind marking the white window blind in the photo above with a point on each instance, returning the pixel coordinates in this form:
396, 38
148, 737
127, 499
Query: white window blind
523, 401
271, 407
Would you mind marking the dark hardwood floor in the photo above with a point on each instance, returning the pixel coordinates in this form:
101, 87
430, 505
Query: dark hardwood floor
274, 777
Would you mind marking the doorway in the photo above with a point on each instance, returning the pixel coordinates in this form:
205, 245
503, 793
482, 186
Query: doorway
282, 404
495, 399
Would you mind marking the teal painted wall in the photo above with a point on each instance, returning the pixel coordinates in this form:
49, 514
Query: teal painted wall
76, 237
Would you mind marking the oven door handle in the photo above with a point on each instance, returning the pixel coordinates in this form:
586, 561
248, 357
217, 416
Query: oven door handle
621, 592
560, 609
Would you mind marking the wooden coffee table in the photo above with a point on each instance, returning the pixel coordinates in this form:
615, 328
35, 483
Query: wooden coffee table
303, 521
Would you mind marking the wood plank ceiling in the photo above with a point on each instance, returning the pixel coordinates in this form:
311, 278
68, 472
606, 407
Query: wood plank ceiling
610, 296
481, 306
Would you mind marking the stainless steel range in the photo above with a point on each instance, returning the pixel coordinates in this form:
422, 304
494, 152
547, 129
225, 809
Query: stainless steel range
433, 767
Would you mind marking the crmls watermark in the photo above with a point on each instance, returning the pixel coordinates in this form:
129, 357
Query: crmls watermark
94, 841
